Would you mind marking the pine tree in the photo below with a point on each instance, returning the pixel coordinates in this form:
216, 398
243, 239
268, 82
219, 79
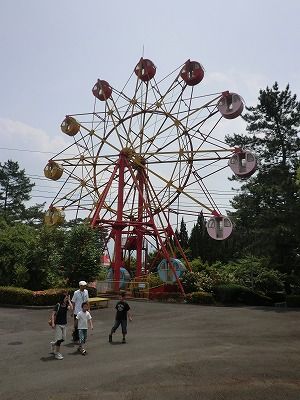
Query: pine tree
15, 188
183, 235
268, 207
197, 238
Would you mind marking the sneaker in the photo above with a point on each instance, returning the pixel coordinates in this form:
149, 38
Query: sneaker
52, 347
110, 338
83, 352
124, 340
58, 356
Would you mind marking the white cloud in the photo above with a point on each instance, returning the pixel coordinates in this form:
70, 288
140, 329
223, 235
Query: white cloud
18, 135
32, 148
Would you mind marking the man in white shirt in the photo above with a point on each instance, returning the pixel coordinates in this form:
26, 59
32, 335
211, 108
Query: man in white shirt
80, 296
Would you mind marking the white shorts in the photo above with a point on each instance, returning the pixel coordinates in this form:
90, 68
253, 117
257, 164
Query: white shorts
60, 332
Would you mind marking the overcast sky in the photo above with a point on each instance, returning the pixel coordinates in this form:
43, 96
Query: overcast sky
52, 52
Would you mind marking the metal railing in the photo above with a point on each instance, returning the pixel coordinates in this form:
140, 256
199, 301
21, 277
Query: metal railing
136, 289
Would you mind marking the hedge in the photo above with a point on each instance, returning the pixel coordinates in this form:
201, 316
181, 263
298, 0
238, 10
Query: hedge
277, 297
200, 298
10, 295
293, 300
166, 296
236, 294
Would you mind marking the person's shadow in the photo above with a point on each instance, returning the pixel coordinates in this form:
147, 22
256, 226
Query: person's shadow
49, 358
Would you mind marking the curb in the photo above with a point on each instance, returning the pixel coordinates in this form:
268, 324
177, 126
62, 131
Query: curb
26, 307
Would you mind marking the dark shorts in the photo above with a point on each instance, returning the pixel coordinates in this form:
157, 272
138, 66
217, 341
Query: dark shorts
123, 324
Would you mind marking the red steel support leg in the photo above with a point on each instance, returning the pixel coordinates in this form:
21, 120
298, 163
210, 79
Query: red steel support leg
118, 231
163, 248
140, 236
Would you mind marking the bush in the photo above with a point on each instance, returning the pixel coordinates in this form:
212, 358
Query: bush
197, 265
102, 274
202, 281
293, 300
154, 280
200, 298
277, 297
251, 272
189, 282
15, 296
18, 296
234, 294
269, 281
92, 291
47, 297
167, 296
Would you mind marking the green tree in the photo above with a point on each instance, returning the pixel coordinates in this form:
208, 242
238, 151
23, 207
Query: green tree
45, 269
268, 208
183, 236
298, 177
16, 242
82, 253
33, 215
15, 188
198, 240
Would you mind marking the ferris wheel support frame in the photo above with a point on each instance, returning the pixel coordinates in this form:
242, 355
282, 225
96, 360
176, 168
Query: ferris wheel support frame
140, 226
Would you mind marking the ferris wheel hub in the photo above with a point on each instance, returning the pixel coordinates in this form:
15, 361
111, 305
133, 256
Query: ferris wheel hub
127, 152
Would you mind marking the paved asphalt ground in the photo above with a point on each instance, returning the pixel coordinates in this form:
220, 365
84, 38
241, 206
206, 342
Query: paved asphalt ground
174, 351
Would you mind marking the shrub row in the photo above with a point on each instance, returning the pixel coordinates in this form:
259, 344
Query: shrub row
166, 296
236, 294
18, 296
293, 300
200, 298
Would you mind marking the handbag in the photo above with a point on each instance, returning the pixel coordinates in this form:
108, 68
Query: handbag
50, 319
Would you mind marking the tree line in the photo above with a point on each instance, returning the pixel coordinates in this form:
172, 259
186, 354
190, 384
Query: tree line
36, 256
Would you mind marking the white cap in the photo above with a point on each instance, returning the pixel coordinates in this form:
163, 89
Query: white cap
82, 283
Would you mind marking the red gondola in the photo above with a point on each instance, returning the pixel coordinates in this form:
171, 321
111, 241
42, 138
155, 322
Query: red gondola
145, 70
192, 73
102, 90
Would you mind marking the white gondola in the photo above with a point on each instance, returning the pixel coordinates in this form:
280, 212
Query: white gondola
219, 227
243, 163
230, 105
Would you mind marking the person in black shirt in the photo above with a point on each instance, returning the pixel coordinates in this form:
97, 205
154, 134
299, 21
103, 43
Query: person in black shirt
59, 323
122, 308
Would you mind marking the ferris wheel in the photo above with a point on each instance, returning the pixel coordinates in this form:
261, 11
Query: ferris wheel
142, 156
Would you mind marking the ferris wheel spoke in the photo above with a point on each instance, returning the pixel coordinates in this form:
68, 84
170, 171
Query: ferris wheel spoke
66, 181
126, 138
161, 129
159, 105
179, 190
205, 137
196, 111
134, 106
70, 202
80, 196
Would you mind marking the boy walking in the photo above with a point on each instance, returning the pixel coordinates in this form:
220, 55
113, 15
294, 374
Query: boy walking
59, 323
122, 308
83, 318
